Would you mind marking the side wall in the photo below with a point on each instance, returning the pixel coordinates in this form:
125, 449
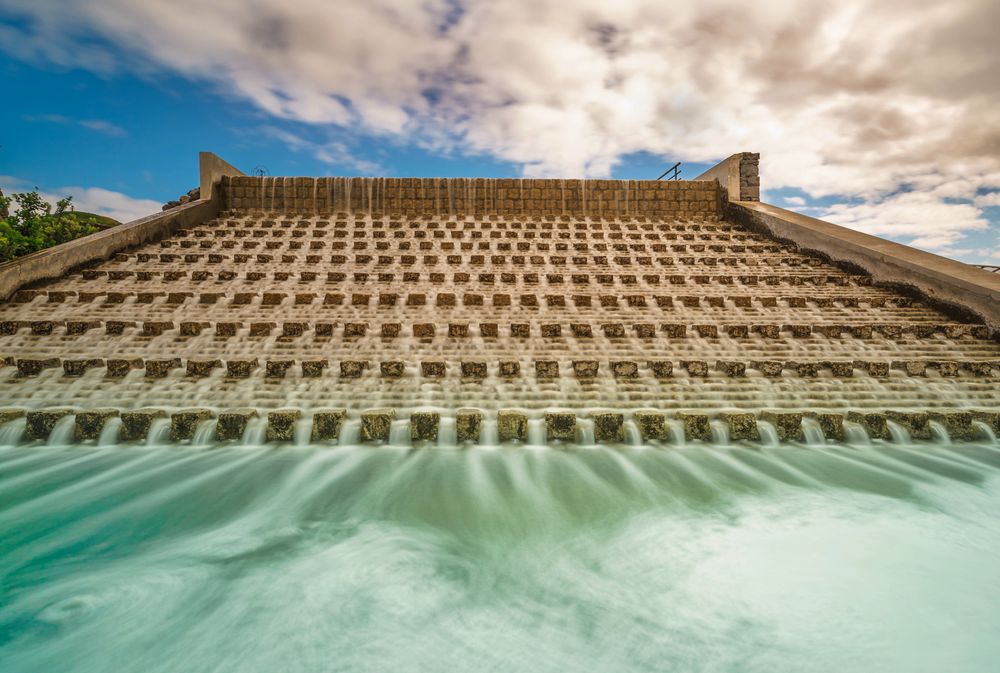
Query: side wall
738, 177
60, 259
940, 279
598, 198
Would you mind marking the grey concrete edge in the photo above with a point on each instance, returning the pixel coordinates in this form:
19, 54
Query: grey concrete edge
945, 282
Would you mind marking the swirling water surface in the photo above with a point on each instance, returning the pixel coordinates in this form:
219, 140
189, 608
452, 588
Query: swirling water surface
747, 559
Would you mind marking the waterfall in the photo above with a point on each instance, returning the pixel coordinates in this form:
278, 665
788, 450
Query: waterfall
302, 435
63, 431
488, 433
159, 432
720, 432
447, 433
768, 434
982, 429
255, 432
585, 432
939, 433
12, 433
856, 435
536, 432
675, 432
898, 433
633, 437
813, 432
399, 433
350, 433
204, 434
110, 432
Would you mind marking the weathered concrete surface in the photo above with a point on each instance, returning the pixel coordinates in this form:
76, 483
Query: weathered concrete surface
233, 423
89, 424
184, 423
424, 426
42, 421
938, 278
376, 423
738, 176
281, 424
467, 424
136, 424
327, 424
212, 168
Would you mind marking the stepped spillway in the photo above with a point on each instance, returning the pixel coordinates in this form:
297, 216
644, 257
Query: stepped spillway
593, 310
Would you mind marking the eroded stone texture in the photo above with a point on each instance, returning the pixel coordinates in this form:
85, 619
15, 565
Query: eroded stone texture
741, 426
873, 423
40, 422
327, 424
512, 425
608, 427
184, 423
232, 423
376, 424
787, 424
424, 426
652, 424
136, 424
281, 424
696, 426
89, 424
958, 424
468, 423
560, 426
917, 424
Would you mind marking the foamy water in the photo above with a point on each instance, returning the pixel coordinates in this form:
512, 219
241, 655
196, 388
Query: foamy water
864, 558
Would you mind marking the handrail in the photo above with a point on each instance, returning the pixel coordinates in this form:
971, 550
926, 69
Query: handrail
674, 170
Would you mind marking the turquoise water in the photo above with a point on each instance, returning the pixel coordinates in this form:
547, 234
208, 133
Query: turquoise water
870, 559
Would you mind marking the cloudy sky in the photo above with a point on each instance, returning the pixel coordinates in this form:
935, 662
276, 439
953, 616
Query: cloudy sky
882, 115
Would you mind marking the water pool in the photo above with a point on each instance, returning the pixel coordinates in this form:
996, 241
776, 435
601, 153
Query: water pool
880, 558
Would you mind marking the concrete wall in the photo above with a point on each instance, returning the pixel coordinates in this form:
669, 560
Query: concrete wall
211, 168
738, 177
939, 279
607, 198
60, 259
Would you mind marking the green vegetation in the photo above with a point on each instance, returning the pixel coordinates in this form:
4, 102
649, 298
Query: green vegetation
33, 225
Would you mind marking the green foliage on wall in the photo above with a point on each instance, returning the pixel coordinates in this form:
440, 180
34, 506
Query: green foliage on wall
28, 223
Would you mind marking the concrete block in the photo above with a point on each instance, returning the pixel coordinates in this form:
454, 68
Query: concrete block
625, 369
276, 369
731, 368
697, 368
327, 424
281, 424
957, 423
652, 424
40, 422
433, 369
313, 368
158, 369
873, 423
424, 425
560, 426
34, 367
184, 423
468, 424
512, 425
608, 427
352, 369
376, 424
241, 368
80, 367
90, 423
787, 424
200, 368
915, 423
696, 426
832, 425
547, 369
474, 370
136, 424
509, 369
585, 369
232, 423
742, 426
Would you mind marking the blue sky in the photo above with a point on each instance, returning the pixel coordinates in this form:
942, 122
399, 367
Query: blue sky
112, 100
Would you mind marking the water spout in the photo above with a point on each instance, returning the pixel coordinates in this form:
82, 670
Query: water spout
720, 432
447, 433
255, 432
12, 433
768, 434
633, 437
63, 431
898, 433
350, 433
302, 434
939, 433
204, 434
536, 432
159, 432
813, 432
675, 432
856, 435
110, 432
585, 432
983, 431
399, 433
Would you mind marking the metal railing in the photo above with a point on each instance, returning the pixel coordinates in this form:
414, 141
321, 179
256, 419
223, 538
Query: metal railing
674, 172
989, 267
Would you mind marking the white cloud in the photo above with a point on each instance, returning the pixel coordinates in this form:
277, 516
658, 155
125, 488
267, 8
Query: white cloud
858, 99
98, 125
987, 200
113, 204
332, 152
795, 200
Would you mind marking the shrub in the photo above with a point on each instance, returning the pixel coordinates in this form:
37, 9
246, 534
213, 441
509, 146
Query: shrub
34, 226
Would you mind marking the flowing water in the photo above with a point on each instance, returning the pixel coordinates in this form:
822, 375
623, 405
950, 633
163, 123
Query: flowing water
871, 557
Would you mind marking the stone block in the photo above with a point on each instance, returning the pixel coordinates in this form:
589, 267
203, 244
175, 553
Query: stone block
674, 331
560, 426
423, 330
376, 424
581, 330
75, 327
433, 369
697, 368
832, 425
662, 369
520, 330
585, 369
281, 424
917, 424
546, 369
152, 328
241, 368
787, 424
232, 423
313, 368
184, 423
41, 422
34, 367
158, 369
352, 369
947, 368
731, 368
645, 330
468, 423
90, 423
424, 426
608, 427
293, 329
911, 367
696, 426
768, 331
392, 369
625, 369
878, 369
770, 368
276, 369
390, 330
474, 370
652, 424
551, 331
327, 424
226, 329
741, 426
958, 424
199, 367
990, 418
80, 367
512, 425
509, 369
117, 369
707, 331
872, 422
842, 369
